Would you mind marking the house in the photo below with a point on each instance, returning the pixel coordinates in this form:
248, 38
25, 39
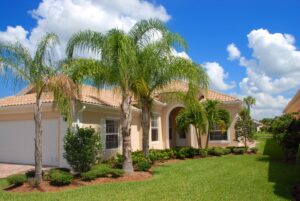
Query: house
100, 110
293, 107
257, 125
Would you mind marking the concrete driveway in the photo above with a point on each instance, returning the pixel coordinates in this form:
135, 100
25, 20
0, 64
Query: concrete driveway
9, 169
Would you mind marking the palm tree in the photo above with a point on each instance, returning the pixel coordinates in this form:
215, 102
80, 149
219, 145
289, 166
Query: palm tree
158, 67
193, 114
249, 101
216, 117
117, 66
40, 73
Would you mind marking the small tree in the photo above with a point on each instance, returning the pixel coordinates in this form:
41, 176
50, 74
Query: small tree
244, 126
194, 114
82, 148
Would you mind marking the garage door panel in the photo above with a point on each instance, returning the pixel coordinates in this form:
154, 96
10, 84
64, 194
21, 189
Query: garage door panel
17, 142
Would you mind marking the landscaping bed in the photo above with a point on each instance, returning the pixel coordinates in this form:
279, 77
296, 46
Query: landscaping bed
58, 179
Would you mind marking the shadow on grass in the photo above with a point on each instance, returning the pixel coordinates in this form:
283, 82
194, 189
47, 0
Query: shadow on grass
283, 174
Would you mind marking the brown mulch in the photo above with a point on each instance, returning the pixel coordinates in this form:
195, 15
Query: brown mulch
46, 187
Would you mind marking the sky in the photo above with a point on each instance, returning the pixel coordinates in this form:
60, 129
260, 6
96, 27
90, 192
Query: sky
248, 47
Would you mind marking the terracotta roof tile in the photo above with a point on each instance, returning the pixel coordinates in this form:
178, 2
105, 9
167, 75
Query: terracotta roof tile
108, 97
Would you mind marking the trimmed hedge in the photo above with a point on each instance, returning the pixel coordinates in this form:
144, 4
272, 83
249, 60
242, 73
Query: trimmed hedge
101, 170
254, 150
16, 179
60, 177
238, 150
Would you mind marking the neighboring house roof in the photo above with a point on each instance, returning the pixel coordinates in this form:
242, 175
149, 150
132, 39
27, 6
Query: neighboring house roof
92, 95
294, 104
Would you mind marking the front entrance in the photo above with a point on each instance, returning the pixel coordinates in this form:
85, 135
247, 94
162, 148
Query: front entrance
176, 137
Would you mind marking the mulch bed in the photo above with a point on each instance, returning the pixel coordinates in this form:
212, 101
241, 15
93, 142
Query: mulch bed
46, 187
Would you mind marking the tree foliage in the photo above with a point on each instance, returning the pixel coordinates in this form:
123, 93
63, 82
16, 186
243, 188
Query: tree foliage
43, 74
82, 148
244, 126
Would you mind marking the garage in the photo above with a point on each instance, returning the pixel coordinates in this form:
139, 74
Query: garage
17, 142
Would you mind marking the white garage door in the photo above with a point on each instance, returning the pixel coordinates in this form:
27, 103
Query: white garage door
17, 142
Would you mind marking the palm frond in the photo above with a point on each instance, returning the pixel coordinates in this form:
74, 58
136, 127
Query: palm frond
82, 41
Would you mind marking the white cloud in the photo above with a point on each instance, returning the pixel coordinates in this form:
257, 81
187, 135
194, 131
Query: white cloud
180, 54
273, 70
233, 52
65, 17
217, 76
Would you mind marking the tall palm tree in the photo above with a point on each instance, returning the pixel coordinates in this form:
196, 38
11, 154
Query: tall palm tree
216, 117
249, 101
43, 75
193, 114
158, 67
117, 65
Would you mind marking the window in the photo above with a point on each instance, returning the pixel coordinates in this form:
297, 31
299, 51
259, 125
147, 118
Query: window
217, 134
111, 134
154, 128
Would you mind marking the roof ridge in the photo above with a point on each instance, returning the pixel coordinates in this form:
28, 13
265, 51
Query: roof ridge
224, 94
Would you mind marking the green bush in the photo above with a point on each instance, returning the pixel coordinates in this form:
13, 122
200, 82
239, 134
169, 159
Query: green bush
227, 151
101, 170
160, 155
202, 153
16, 179
82, 148
59, 177
216, 151
116, 173
254, 150
143, 165
30, 174
238, 150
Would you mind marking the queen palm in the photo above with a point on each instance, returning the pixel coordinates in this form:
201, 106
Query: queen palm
117, 66
158, 67
216, 117
249, 101
193, 114
43, 75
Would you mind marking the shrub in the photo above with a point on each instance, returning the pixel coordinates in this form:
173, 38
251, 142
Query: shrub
254, 150
82, 148
216, 151
16, 179
226, 151
59, 177
238, 150
116, 173
143, 165
160, 155
101, 170
30, 174
202, 152
89, 175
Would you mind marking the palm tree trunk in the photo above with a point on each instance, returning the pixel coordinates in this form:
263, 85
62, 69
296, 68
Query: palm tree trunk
145, 127
126, 119
38, 140
207, 137
245, 142
198, 134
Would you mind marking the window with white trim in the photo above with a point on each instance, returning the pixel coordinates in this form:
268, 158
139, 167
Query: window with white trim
217, 134
111, 133
154, 128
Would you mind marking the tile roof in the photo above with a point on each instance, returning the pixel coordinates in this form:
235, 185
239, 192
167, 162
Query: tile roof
107, 97
209, 94
89, 94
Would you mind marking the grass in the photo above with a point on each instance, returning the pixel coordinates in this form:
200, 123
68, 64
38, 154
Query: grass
243, 177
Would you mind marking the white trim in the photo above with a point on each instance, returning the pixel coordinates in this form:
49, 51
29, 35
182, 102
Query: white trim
118, 134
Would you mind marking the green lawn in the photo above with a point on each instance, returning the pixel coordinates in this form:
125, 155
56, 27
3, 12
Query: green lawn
245, 177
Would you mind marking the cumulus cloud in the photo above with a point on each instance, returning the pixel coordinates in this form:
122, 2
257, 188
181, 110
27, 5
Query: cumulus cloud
65, 17
273, 70
217, 76
233, 52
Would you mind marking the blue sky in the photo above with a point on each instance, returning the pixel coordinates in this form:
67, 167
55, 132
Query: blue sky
264, 35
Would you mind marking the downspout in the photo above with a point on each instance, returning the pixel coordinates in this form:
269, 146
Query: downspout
78, 120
